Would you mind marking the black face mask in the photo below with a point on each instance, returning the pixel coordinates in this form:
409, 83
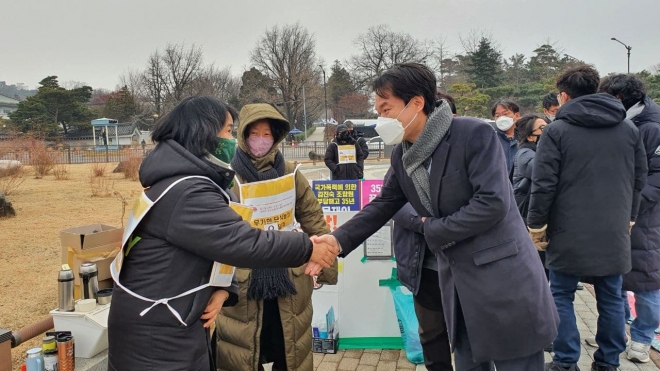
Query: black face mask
344, 136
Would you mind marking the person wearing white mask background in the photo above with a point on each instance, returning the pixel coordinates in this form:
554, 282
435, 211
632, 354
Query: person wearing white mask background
550, 106
506, 113
450, 169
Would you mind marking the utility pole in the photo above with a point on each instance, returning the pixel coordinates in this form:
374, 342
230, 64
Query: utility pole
304, 113
325, 92
628, 48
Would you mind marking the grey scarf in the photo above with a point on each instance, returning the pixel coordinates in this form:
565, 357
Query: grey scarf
417, 156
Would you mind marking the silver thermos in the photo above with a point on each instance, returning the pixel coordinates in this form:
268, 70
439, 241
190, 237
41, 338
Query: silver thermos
90, 281
65, 290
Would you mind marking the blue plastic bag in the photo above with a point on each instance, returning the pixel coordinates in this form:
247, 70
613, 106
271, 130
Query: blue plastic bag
405, 313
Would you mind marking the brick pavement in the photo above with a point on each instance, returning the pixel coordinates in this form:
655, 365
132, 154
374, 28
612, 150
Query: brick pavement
392, 360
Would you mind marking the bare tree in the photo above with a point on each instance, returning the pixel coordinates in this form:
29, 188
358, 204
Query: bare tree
154, 80
173, 74
444, 63
71, 84
183, 66
471, 41
381, 48
287, 55
656, 69
217, 82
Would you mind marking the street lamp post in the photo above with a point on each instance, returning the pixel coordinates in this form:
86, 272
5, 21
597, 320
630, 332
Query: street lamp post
628, 48
304, 113
325, 93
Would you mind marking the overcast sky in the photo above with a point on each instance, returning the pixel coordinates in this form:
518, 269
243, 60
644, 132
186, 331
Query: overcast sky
95, 41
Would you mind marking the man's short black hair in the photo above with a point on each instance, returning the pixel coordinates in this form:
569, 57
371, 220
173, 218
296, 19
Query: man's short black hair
194, 124
406, 81
579, 81
550, 100
630, 89
506, 103
449, 99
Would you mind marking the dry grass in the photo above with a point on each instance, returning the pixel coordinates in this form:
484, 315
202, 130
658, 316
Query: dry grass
101, 186
30, 242
99, 168
41, 159
12, 178
132, 167
61, 171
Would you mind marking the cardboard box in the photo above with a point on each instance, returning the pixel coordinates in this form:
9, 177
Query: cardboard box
94, 243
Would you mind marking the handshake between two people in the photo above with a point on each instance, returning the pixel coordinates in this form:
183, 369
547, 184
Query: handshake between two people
324, 252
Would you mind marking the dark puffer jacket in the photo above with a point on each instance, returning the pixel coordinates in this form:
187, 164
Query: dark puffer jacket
589, 170
523, 166
645, 239
344, 171
182, 235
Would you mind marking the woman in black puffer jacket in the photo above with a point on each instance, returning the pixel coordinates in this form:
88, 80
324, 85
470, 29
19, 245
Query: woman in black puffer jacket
529, 131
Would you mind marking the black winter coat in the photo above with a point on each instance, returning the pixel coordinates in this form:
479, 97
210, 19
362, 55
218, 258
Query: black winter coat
645, 240
523, 164
344, 171
589, 171
182, 235
364, 146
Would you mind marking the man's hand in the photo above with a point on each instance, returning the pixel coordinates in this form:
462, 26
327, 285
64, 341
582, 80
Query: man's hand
539, 238
325, 251
632, 224
213, 307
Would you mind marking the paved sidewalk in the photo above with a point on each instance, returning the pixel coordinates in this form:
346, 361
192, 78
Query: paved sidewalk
587, 317
391, 360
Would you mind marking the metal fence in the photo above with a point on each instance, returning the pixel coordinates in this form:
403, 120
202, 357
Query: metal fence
73, 155
304, 150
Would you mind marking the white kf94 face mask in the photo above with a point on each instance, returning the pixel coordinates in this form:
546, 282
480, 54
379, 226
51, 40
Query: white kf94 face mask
391, 130
504, 123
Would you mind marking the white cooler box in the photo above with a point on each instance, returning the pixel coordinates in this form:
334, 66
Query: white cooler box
89, 329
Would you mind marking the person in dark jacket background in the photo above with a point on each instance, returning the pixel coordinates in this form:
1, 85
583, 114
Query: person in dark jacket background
359, 139
186, 230
589, 171
644, 278
506, 113
417, 270
350, 165
530, 128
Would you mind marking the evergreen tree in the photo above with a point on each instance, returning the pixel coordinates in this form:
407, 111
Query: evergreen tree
485, 65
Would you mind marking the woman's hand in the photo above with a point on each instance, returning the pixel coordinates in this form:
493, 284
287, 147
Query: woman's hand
213, 308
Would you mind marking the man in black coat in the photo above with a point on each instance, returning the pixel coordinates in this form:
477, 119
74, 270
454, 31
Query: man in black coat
359, 139
644, 278
496, 300
344, 157
417, 270
589, 171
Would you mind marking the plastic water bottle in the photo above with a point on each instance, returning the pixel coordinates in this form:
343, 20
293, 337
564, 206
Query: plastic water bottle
323, 330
